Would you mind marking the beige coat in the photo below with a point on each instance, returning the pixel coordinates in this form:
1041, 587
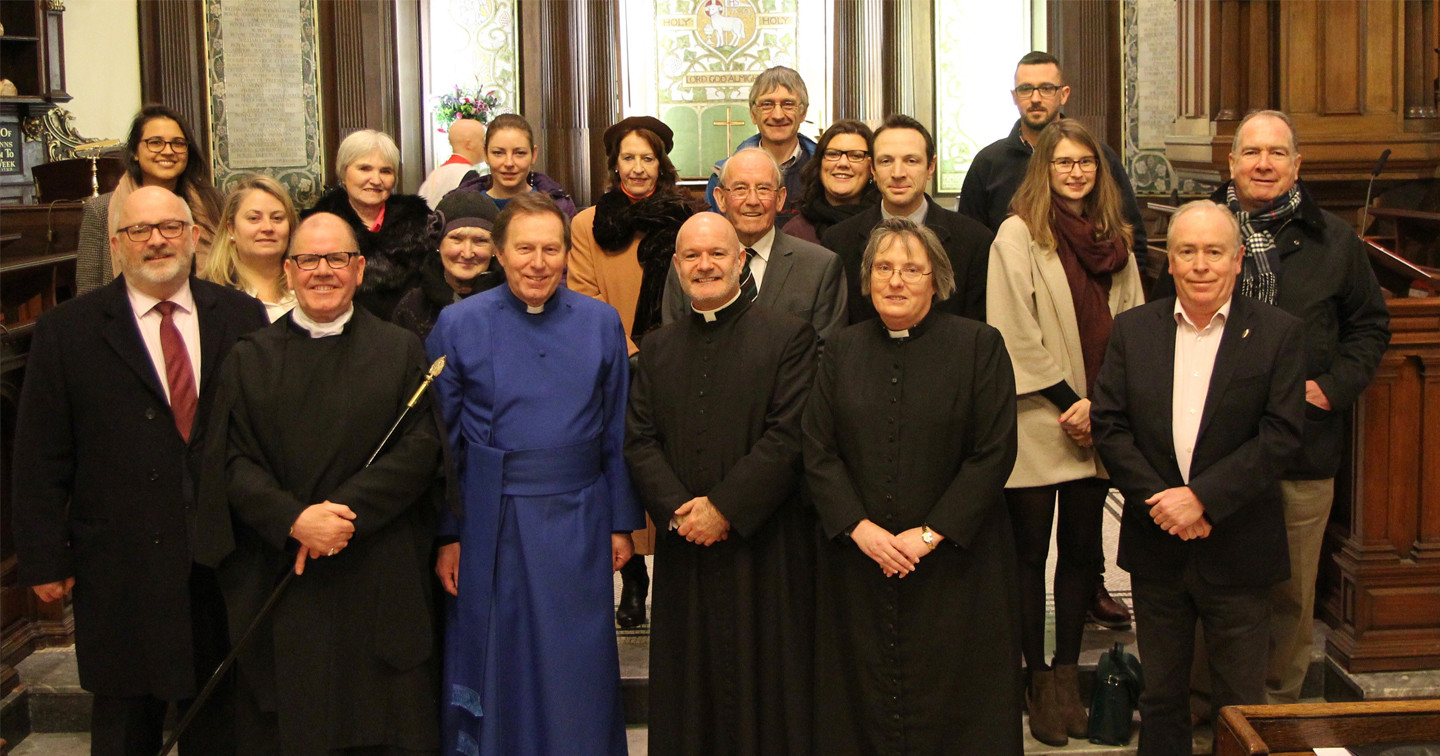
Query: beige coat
1028, 299
612, 279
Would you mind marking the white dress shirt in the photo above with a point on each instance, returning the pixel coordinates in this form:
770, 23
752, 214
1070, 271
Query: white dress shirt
1195, 350
761, 258
148, 319
917, 217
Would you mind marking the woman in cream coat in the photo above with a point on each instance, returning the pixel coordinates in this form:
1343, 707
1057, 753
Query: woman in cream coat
1060, 270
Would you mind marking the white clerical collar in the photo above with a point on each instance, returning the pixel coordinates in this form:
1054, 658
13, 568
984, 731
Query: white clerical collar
318, 330
905, 334
917, 217
711, 316
535, 309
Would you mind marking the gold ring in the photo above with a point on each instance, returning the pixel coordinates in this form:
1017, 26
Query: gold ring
332, 552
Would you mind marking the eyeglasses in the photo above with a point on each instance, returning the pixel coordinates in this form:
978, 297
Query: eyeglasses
1066, 165
767, 106
157, 145
336, 260
908, 274
763, 191
140, 232
1046, 91
1212, 256
833, 156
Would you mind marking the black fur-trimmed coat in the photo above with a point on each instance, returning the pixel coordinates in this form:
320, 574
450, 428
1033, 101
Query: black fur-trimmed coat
394, 253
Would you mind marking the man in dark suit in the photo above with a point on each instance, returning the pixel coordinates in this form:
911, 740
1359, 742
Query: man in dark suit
781, 272
107, 442
1197, 411
904, 162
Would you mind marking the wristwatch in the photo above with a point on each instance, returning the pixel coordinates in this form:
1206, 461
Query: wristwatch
928, 536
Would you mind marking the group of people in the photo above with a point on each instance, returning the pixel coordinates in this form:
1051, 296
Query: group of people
849, 415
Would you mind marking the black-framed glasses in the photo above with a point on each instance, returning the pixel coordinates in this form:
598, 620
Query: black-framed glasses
908, 274
1046, 90
336, 260
170, 229
1066, 165
157, 145
833, 156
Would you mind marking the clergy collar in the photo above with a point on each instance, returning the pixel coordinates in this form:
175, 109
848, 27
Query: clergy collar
912, 332
530, 309
318, 330
723, 313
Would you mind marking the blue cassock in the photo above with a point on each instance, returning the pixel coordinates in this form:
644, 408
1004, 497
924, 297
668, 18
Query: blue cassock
535, 407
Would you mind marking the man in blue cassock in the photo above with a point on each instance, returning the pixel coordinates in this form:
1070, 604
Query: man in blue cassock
534, 400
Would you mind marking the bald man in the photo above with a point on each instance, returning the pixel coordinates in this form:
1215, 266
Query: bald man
467, 145
713, 444
118, 386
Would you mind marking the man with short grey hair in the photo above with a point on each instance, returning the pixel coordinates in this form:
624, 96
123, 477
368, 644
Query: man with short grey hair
779, 101
780, 271
1197, 456
1310, 263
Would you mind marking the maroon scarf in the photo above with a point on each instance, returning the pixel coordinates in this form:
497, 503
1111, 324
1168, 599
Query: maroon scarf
1089, 263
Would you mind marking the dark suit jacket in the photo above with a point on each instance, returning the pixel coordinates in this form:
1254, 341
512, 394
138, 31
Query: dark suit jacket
803, 279
1249, 431
966, 241
104, 483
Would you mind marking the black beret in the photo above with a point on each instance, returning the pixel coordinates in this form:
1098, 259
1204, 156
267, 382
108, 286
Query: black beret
615, 133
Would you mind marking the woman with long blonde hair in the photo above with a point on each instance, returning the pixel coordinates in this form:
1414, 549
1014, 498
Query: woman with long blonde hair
249, 252
1060, 270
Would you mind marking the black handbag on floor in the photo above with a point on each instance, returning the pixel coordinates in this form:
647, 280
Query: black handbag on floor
1118, 682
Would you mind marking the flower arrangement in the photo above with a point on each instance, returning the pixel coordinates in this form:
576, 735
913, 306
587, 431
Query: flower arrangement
465, 103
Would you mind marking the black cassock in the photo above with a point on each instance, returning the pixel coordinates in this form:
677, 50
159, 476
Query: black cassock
349, 657
908, 432
715, 411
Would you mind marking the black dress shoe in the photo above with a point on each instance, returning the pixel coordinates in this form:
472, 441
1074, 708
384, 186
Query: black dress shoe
634, 584
1107, 612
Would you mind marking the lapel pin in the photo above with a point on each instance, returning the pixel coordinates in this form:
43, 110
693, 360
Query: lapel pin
1246, 333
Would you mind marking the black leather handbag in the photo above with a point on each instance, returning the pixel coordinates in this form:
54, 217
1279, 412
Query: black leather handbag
1118, 682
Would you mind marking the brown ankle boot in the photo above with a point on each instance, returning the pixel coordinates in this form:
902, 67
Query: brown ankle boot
1067, 700
1045, 722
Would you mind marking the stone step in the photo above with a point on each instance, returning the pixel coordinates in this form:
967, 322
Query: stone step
50, 699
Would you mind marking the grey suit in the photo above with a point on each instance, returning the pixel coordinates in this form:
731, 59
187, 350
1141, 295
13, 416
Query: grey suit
803, 279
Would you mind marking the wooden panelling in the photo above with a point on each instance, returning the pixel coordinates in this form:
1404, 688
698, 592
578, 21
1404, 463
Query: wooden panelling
1086, 39
1340, 68
358, 86
172, 58
1382, 590
571, 92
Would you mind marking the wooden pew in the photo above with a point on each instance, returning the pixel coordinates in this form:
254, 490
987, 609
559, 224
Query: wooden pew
1297, 729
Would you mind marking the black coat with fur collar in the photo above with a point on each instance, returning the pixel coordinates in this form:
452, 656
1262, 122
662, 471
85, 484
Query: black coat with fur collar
394, 253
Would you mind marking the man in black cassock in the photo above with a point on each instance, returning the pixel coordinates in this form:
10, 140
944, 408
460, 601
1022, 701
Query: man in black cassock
347, 662
713, 444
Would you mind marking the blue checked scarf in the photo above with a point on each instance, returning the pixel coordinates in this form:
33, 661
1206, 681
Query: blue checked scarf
1257, 274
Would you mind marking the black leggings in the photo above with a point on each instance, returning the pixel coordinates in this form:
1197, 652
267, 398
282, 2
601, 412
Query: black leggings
1080, 562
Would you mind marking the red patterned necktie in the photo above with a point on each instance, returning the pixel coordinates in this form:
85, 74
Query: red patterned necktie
178, 372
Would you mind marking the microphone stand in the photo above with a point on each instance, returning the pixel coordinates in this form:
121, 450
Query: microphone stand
1365, 211
269, 605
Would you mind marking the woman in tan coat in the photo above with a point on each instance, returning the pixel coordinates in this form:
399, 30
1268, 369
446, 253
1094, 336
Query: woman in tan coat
620, 254
1060, 270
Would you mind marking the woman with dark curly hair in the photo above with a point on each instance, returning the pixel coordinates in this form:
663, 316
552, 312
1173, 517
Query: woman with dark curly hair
837, 180
394, 231
160, 150
621, 255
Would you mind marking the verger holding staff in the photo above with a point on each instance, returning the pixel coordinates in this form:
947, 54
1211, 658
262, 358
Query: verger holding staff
909, 435
347, 662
